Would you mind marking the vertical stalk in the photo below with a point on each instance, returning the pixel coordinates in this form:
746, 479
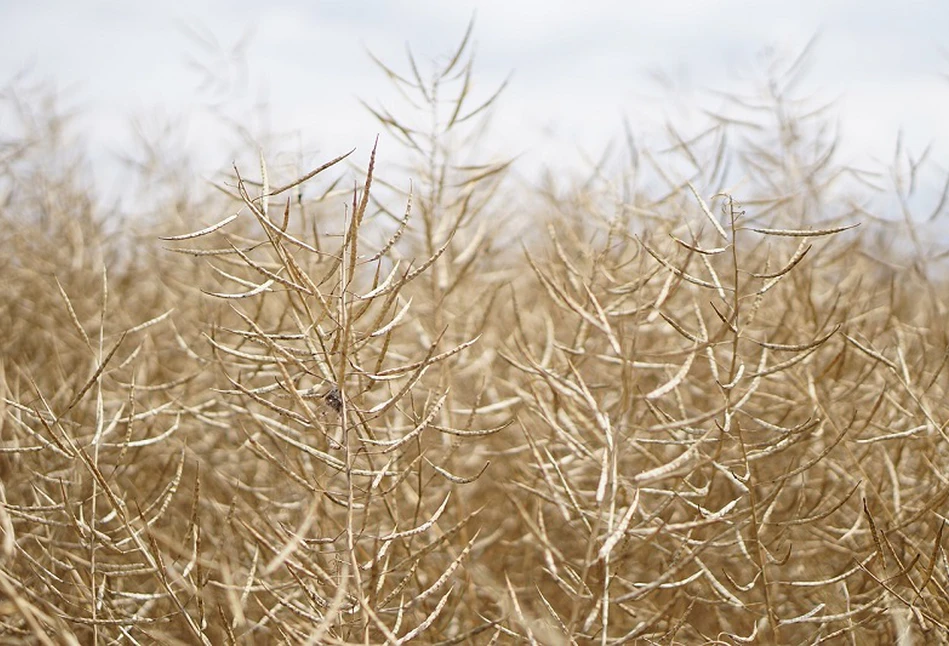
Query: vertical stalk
772, 635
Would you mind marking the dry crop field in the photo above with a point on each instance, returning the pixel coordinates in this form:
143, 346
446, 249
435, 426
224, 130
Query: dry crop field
636, 410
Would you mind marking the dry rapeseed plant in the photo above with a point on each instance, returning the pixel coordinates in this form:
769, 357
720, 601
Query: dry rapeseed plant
677, 419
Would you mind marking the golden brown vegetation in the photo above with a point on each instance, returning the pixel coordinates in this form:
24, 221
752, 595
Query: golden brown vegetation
673, 417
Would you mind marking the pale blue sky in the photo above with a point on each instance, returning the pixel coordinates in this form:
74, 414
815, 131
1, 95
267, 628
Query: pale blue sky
577, 67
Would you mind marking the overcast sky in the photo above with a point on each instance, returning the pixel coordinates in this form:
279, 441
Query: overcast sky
576, 68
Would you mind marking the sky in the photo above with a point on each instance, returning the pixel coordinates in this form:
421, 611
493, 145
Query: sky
576, 70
